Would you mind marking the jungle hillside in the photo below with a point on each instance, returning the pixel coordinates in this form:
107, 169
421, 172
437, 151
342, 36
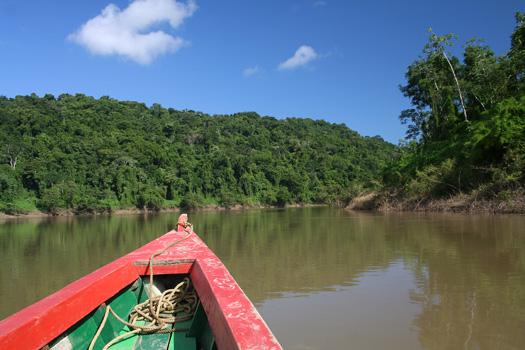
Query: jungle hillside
78, 154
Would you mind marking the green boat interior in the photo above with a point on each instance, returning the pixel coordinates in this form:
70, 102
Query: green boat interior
186, 326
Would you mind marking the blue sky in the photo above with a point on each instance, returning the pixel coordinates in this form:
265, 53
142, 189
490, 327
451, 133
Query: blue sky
340, 61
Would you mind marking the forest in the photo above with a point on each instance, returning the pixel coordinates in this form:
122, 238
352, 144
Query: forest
466, 131
464, 142
79, 154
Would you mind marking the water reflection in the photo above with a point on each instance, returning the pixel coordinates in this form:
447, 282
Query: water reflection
470, 285
41, 256
321, 277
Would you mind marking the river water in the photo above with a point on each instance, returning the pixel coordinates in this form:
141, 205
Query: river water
322, 278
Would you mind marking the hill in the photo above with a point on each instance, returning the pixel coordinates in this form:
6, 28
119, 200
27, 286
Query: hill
83, 154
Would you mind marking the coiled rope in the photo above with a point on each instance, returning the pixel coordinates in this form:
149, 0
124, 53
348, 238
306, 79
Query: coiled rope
158, 310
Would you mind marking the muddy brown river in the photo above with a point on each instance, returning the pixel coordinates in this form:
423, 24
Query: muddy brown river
322, 278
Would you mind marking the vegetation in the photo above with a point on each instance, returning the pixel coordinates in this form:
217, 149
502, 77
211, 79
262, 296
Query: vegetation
81, 154
466, 130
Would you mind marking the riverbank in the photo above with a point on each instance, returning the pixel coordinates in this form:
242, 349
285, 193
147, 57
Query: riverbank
463, 203
136, 211
387, 202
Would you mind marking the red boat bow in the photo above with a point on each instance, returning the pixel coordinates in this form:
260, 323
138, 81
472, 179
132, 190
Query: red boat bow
235, 322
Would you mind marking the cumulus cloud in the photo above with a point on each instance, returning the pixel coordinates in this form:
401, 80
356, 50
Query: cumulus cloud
125, 32
251, 71
302, 56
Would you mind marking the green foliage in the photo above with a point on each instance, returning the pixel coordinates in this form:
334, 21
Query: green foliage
9, 187
435, 180
449, 154
150, 198
18, 206
86, 155
517, 47
191, 201
501, 129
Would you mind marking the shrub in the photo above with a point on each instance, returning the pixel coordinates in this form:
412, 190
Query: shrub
191, 201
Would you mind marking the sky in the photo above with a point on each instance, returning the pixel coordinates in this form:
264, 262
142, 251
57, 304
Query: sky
341, 61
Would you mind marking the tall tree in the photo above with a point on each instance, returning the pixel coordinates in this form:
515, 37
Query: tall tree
434, 89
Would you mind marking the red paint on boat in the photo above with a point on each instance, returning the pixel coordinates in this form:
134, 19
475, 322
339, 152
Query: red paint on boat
235, 322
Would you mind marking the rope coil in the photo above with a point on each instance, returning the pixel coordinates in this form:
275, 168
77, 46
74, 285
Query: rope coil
160, 310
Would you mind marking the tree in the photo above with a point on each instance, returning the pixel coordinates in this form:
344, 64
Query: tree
517, 46
434, 89
13, 150
437, 46
489, 79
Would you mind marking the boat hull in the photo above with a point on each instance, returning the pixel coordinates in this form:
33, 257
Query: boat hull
233, 319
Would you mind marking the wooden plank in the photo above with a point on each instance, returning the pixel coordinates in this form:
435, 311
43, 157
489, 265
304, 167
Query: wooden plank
108, 332
198, 323
82, 333
181, 340
140, 292
127, 343
200, 329
158, 341
122, 304
174, 267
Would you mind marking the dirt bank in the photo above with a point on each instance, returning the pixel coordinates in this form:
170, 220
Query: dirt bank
461, 203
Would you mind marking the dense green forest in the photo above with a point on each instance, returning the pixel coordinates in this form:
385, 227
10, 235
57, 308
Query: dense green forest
466, 130
82, 154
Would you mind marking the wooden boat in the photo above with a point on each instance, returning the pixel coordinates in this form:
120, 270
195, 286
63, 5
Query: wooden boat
211, 311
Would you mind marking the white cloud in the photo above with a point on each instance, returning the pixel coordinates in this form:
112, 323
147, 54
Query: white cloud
125, 33
319, 3
302, 56
251, 71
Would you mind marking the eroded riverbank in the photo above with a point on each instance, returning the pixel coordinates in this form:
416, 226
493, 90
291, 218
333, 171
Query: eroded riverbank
463, 203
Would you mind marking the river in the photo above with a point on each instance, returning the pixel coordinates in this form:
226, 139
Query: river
322, 278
